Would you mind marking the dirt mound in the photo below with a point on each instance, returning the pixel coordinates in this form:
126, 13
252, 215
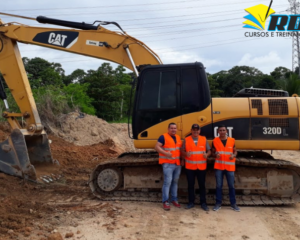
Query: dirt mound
35, 211
84, 130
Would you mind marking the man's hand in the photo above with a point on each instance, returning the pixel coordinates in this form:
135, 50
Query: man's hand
217, 155
182, 161
232, 156
204, 155
168, 154
188, 154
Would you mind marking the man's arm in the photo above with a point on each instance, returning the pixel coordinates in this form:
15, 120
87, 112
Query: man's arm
234, 153
213, 152
159, 149
208, 151
182, 154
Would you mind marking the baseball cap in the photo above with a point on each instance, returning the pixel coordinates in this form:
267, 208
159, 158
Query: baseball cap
195, 126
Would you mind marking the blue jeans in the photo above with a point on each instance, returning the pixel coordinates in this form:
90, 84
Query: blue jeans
171, 177
230, 181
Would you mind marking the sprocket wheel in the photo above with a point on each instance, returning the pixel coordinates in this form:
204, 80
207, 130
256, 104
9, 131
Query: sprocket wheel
109, 179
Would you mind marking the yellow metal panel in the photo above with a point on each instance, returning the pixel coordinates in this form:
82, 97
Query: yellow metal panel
202, 118
228, 108
155, 131
298, 107
267, 145
144, 144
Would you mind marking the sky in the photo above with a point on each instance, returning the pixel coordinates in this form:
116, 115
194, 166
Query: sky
179, 31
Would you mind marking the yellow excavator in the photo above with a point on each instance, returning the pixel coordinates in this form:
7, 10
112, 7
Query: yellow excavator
259, 119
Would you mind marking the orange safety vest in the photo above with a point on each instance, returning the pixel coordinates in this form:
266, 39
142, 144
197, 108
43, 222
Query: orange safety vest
196, 160
224, 163
170, 146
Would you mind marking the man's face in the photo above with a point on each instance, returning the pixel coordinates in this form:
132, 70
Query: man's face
172, 129
222, 131
195, 132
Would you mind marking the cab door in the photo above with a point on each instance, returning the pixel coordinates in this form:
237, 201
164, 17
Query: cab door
195, 100
157, 105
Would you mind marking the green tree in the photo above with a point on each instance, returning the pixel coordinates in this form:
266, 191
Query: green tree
42, 73
291, 84
237, 78
76, 76
267, 82
281, 73
104, 90
77, 97
213, 86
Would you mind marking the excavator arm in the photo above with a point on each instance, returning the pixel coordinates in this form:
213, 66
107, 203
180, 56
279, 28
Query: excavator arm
29, 144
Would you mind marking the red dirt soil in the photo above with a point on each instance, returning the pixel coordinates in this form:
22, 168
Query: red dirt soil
33, 211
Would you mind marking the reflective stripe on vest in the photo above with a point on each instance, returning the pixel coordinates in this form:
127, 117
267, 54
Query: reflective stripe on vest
172, 158
226, 153
171, 147
224, 162
196, 159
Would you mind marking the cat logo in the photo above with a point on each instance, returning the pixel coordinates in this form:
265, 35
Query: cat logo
57, 39
229, 131
65, 39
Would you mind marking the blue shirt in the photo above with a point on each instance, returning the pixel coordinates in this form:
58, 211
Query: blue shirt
161, 139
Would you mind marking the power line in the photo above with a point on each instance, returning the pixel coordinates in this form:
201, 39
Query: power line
169, 17
128, 5
213, 45
181, 49
184, 31
156, 10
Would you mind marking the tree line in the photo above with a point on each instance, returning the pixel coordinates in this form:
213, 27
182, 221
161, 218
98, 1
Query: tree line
106, 92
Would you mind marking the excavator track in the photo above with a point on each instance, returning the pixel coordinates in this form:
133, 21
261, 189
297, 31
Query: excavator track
259, 180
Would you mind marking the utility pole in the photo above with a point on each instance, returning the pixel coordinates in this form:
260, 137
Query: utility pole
294, 9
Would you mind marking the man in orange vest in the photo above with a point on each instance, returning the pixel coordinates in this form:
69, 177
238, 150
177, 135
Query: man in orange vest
195, 150
224, 151
168, 146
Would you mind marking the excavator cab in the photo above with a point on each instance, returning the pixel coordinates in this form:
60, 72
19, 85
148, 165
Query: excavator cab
168, 93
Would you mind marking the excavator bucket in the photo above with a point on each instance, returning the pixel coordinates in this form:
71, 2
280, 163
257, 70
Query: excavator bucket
22, 156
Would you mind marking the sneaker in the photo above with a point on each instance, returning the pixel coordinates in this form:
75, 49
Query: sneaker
166, 206
234, 207
204, 207
176, 204
190, 205
217, 207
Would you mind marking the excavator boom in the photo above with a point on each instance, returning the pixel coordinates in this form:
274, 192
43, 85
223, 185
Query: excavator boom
28, 145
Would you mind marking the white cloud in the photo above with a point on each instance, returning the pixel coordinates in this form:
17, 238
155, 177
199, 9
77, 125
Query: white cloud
181, 57
264, 63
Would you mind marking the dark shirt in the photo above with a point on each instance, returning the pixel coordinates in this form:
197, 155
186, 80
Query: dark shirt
223, 141
161, 139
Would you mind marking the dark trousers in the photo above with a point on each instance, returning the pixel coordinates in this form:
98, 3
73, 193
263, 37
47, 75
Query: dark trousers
191, 175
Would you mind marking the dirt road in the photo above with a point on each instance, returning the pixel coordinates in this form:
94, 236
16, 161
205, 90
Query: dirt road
68, 210
149, 221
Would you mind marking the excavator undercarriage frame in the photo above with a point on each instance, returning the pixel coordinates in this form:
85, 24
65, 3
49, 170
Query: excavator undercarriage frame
259, 180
